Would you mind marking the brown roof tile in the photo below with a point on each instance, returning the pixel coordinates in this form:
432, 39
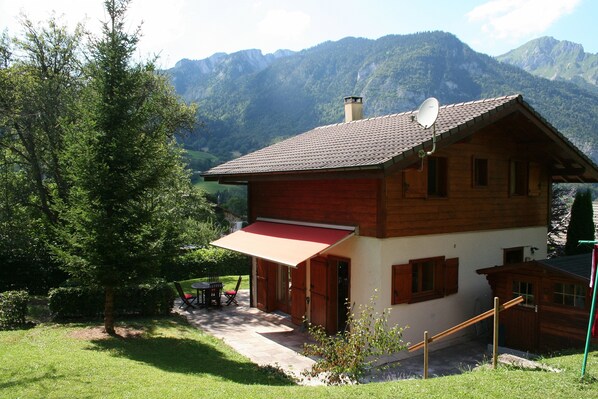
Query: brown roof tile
372, 143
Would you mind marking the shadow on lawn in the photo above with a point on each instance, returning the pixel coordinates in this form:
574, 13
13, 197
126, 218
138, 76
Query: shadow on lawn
188, 356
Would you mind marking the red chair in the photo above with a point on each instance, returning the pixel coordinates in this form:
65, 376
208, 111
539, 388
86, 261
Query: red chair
231, 294
186, 298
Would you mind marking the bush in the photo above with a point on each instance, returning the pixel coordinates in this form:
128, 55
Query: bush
13, 309
149, 299
345, 357
207, 262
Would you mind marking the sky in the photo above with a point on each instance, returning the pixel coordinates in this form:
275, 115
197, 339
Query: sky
196, 29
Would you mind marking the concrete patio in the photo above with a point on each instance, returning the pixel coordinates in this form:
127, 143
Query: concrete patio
265, 338
271, 339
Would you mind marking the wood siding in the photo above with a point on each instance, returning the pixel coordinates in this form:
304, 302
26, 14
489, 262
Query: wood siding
381, 206
467, 207
352, 202
553, 326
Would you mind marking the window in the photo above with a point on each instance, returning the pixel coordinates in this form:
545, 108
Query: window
518, 178
570, 295
512, 255
480, 172
526, 290
424, 279
422, 276
437, 177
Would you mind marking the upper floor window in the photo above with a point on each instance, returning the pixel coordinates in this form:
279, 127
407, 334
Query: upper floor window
437, 177
480, 172
518, 178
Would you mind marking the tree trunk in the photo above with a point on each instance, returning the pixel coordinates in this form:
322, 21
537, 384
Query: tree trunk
109, 311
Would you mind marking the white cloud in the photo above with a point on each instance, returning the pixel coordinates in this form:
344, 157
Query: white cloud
284, 24
512, 19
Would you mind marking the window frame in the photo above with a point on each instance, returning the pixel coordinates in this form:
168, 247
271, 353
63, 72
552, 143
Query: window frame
527, 294
437, 177
518, 178
582, 295
508, 251
446, 280
479, 175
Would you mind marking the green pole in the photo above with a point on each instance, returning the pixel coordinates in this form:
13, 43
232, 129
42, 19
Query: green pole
591, 320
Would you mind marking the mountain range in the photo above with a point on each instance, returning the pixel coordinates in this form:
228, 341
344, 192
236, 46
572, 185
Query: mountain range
248, 100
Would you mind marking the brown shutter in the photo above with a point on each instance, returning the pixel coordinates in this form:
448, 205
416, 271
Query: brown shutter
451, 273
415, 183
534, 186
401, 284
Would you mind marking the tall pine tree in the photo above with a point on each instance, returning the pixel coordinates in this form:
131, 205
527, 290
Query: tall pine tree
124, 168
581, 225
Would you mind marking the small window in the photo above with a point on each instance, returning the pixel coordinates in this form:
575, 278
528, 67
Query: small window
437, 177
518, 178
526, 290
480, 172
424, 279
512, 255
570, 295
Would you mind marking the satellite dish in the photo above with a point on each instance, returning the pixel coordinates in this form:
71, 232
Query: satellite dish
427, 113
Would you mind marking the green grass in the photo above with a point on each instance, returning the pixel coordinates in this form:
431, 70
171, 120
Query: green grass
172, 359
200, 155
211, 187
229, 283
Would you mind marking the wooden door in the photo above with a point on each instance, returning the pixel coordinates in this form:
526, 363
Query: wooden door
283, 294
319, 291
521, 321
266, 284
298, 306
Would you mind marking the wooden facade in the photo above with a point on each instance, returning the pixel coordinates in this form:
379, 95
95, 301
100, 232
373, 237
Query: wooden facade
386, 205
545, 323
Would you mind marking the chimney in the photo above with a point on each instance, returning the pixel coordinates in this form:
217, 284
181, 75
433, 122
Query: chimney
353, 108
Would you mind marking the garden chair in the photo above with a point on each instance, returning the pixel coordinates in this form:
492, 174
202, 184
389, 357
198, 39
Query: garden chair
231, 294
213, 295
186, 298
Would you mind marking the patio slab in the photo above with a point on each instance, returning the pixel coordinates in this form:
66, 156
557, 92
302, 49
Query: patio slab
272, 339
265, 338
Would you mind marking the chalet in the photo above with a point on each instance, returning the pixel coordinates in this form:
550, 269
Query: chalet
343, 210
556, 307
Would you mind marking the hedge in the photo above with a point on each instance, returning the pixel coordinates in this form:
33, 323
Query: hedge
207, 262
149, 299
13, 309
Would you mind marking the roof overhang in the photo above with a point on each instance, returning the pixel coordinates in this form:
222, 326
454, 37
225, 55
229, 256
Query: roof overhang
285, 242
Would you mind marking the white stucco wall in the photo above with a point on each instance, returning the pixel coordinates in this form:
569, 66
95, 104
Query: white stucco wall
371, 268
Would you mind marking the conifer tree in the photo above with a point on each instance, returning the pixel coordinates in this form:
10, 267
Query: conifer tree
581, 225
124, 168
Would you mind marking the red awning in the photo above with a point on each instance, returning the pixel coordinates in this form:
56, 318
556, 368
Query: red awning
285, 243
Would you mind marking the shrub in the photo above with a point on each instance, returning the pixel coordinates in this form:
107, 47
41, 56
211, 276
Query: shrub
346, 356
13, 309
148, 299
206, 262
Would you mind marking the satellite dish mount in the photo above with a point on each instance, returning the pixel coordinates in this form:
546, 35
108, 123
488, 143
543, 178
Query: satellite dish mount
426, 117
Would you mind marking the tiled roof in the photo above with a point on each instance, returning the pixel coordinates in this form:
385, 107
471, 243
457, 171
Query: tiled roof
372, 143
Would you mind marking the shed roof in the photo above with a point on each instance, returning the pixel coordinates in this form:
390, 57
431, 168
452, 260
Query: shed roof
577, 266
394, 140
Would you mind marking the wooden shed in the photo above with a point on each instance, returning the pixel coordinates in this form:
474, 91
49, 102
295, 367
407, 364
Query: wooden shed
557, 302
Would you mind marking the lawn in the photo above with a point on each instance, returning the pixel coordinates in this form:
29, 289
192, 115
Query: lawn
171, 359
229, 283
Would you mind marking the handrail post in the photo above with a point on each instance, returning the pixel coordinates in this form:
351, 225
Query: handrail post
495, 338
425, 355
